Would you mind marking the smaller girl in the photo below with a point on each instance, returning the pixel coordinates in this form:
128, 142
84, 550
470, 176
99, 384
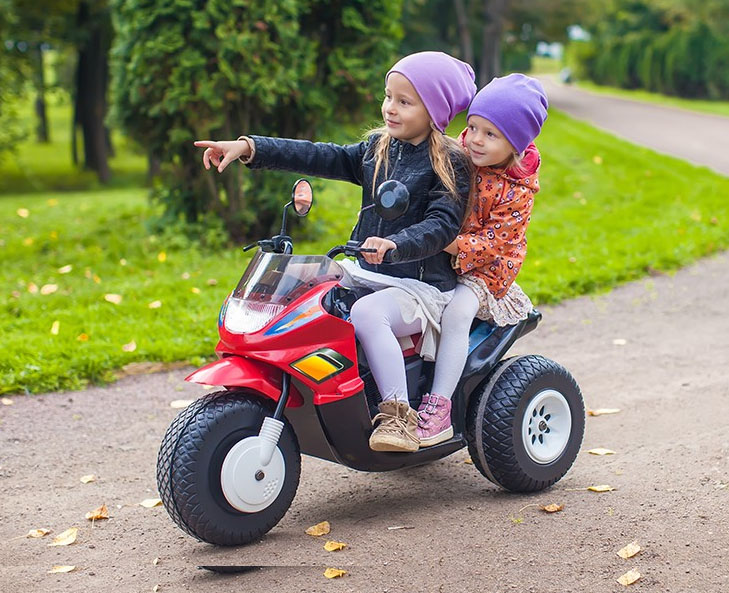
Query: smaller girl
503, 120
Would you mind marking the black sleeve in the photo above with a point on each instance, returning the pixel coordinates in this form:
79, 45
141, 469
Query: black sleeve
318, 159
442, 222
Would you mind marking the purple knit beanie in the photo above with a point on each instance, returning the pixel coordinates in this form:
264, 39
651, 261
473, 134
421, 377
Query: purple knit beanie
516, 105
445, 84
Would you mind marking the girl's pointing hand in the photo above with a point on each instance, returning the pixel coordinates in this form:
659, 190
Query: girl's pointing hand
221, 154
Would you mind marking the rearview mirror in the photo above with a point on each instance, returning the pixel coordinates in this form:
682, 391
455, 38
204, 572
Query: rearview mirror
392, 199
302, 197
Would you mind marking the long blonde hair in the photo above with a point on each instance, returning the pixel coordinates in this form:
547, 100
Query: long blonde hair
442, 150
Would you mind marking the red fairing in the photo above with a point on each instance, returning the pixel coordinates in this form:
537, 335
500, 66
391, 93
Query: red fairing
276, 349
235, 371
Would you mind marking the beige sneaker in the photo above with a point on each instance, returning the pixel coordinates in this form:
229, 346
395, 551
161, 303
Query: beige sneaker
397, 428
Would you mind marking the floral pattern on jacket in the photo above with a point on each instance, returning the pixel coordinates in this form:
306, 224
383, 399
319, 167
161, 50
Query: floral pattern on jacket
492, 243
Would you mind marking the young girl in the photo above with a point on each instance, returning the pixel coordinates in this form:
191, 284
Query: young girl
423, 92
503, 120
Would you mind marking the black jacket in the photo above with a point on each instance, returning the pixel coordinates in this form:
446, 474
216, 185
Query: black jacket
433, 218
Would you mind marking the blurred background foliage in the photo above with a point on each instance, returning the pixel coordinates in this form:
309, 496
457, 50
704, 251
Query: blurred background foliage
161, 73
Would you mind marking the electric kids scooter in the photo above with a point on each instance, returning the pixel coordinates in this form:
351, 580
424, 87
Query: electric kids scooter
295, 381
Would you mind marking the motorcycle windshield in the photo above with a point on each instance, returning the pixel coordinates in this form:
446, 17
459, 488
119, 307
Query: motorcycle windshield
276, 278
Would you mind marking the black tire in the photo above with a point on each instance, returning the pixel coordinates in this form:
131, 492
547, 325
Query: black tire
190, 460
496, 416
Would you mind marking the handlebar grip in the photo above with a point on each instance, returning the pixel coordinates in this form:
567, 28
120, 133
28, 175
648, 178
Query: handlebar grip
392, 256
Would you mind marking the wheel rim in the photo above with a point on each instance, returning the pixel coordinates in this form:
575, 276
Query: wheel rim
247, 485
546, 426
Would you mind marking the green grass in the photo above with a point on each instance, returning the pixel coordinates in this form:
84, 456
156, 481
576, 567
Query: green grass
608, 212
704, 106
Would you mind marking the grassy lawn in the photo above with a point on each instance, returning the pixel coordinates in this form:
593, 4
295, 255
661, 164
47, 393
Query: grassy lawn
608, 212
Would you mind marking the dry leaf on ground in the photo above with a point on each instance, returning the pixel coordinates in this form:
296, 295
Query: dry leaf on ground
66, 538
47, 289
37, 533
319, 529
469, 461
100, 513
65, 269
601, 488
61, 568
23, 212
602, 411
149, 503
553, 508
629, 577
88, 478
155, 304
601, 451
130, 347
333, 573
620, 342
180, 403
6, 401
332, 546
55, 327
629, 551
115, 299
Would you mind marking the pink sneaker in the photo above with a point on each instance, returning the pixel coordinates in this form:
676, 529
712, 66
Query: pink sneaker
434, 420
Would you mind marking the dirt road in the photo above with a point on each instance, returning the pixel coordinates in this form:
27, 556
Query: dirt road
656, 349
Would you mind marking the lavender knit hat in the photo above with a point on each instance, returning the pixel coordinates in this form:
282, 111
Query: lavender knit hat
445, 84
516, 104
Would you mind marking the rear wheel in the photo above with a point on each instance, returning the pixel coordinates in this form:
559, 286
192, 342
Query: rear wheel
525, 426
209, 475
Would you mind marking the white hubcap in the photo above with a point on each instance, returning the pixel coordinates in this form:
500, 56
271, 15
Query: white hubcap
546, 426
247, 485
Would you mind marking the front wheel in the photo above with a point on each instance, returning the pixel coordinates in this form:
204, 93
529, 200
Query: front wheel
209, 475
525, 425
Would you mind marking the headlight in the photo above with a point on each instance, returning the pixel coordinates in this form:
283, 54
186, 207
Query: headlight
245, 317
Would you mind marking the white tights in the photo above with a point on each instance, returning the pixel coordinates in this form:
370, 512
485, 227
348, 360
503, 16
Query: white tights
378, 323
453, 348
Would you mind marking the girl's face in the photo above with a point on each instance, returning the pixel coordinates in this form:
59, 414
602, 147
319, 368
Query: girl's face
486, 144
404, 114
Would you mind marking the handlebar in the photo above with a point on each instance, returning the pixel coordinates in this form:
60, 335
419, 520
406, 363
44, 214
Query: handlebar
354, 248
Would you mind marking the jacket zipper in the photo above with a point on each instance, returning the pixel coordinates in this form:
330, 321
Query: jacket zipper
422, 269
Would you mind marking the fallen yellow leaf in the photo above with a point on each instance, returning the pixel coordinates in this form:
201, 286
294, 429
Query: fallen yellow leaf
161, 256
32, 288
149, 503
35, 533
333, 573
66, 538
195, 290
180, 403
601, 451
319, 529
629, 578
602, 411
113, 298
88, 478
601, 488
155, 304
122, 262
332, 546
597, 159
469, 461
553, 508
55, 327
23, 212
61, 568
100, 513
130, 347
65, 269
629, 551
48, 289
6, 401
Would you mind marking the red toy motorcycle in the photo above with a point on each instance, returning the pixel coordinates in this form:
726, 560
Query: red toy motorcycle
294, 381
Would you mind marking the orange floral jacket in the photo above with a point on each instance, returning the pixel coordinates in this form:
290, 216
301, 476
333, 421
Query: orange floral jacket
492, 244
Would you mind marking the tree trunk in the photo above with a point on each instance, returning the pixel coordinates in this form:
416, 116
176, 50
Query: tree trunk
490, 64
39, 80
92, 75
464, 33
